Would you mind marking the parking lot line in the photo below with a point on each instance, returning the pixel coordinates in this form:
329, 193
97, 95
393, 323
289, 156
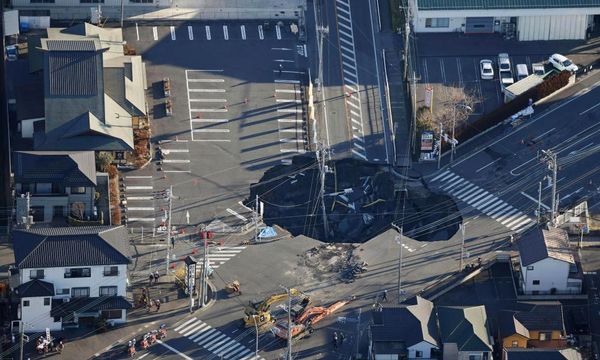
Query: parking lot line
191, 32
207, 28
211, 130
288, 91
289, 110
173, 37
206, 80
278, 31
176, 161
210, 120
211, 140
287, 81
140, 219
261, 34
225, 32
208, 100
155, 32
139, 177
289, 120
208, 90
243, 31
288, 101
209, 110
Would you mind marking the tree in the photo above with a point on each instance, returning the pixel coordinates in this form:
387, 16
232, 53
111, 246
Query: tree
104, 160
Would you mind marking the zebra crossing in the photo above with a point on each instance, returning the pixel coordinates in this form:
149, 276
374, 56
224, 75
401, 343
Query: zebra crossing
219, 255
207, 105
215, 341
137, 200
212, 32
350, 75
236, 218
175, 156
483, 201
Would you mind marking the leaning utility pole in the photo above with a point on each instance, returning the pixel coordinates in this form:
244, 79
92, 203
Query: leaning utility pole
170, 199
399, 239
550, 159
289, 326
462, 246
539, 208
321, 152
440, 149
255, 218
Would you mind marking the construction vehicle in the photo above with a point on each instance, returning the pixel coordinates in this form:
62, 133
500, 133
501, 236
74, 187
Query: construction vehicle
258, 313
303, 324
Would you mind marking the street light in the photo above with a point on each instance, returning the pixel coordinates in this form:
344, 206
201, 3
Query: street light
453, 141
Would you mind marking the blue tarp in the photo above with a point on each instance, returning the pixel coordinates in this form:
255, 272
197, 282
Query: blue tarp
267, 232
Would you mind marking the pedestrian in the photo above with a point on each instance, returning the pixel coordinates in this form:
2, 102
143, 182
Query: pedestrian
335, 340
156, 277
157, 303
150, 278
384, 296
173, 238
149, 306
280, 68
342, 338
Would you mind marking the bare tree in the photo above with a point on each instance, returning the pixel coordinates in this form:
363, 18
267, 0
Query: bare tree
451, 106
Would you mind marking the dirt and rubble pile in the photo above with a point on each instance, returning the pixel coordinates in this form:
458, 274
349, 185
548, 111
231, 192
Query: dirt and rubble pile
334, 260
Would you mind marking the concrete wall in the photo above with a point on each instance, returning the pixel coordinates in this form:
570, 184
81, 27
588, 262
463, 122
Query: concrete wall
423, 346
36, 316
550, 272
565, 27
56, 276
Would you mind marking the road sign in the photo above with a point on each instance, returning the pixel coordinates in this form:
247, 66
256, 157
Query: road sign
428, 96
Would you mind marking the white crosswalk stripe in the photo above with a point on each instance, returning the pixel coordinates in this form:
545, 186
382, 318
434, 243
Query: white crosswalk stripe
219, 255
214, 340
482, 200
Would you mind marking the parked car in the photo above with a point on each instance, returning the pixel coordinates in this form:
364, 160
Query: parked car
487, 70
505, 71
522, 71
561, 62
538, 69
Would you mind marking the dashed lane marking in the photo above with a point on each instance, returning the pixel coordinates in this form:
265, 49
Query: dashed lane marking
173, 36
243, 31
191, 32
278, 31
225, 32
155, 32
261, 34
207, 29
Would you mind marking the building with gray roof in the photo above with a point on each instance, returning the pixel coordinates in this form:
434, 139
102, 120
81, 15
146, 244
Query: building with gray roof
464, 332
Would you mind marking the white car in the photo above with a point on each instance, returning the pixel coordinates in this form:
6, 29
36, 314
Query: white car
561, 63
505, 71
538, 69
487, 70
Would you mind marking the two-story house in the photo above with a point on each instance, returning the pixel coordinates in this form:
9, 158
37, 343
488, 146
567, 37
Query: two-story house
540, 354
540, 326
408, 332
68, 273
464, 333
547, 263
59, 183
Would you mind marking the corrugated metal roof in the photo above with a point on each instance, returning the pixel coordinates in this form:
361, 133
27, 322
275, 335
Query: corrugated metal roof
73, 73
503, 4
71, 246
71, 45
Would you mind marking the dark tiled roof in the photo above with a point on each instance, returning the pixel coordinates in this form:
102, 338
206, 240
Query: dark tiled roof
75, 168
62, 309
72, 73
508, 325
464, 326
538, 244
410, 325
504, 4
71, 246
34, 288
541, 354
542, 317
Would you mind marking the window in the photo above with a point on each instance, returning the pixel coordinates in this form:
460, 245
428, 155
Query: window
111, 314
25, 303
56, 319
418, 354
43, 188
63, 291
46, 301
536, 282
515, 343
111, 271
80, 292
530, 267
437, 22
475, 357
58, 188
545, 336
77, 272
36, 274
108, 290
38, 213
77, 189
25, 188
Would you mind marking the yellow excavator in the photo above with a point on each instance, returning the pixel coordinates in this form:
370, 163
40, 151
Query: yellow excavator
259, 313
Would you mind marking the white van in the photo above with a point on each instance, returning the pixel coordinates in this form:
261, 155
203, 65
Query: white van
522, 71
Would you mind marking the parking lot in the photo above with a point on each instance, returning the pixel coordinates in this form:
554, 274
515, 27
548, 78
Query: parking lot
237, 108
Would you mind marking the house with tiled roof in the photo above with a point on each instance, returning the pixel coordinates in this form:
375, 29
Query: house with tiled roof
65, 274
464, 333
526, 20
540, 354
57, 185
407, 332
547, 263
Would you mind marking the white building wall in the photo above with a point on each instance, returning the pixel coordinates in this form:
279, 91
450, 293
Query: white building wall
567, 27
423, 346
56, 276
36, 316
550, 272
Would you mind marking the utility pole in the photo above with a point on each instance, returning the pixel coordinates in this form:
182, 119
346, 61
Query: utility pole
581, 236
122, 11
539, 208
21, 339
399, 239
462, 246
358, 332
203, 284
406, 39
170, 199
290, 326
28, 214
255, 219
550, 159
440, 152
321, 157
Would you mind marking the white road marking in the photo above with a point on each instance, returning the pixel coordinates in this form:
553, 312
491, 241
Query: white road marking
483, 167
208, 100
544, 134
177, 171
140, 208
281, 48
261, 34
155, 33
207, 28
225, 32
243, 31
278, 31
168, 151
286, 81
290, 110
204, 70
289, 120
190, 32
173, 37
210, 120
207, 80
137, 32
288, 101
208, 110
138, 187
589, 109
212, 130
138, 177
176, 161
288, 91
131, 219
134, 198
211, 140
535, 200
232, 212
291, 130
207, 90
174, 350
